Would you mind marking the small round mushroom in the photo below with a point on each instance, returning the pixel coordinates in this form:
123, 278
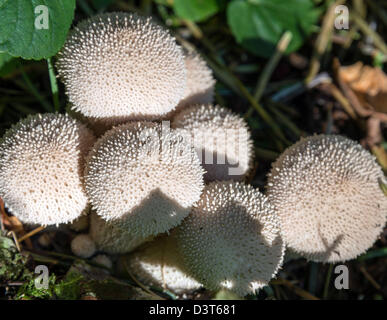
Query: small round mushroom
41, 168
231, 239
159, 264
144, 175
221, 139
103, 260
113, 236
119, 66
326, 191
83, 246
200, 82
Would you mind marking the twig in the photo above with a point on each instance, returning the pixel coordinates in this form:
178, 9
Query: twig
363, 26
381, 156
14, 236
15, 284
378, 10
30, 234
297, 290
45, 259
370, 278
199, 35
140, 284
327, 282
322, 40
336, 93
263, 80
236, 85
285, 120
2, 214
195, 30
266, 154
282, 45
382, 252
54, 85
224, 73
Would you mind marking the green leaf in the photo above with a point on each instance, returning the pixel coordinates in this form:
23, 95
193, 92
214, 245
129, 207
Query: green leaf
4, 58
196, 10
259, 24
30, 35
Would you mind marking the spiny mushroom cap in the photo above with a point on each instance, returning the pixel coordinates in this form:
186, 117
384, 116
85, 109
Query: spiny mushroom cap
83, 246
145, 174
41, 168
328, 198
119, 65
221, 139
231, 239
159, 264
113, 237
200, 82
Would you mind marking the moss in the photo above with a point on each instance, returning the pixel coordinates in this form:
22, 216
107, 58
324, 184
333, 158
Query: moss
12, 263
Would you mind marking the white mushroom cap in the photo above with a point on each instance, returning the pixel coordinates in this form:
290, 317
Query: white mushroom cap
221, 138
159, 264
118, 65
113, 236
326, 191
231, 239
200, 82
103, 260
41, 168
144, 174
83, 246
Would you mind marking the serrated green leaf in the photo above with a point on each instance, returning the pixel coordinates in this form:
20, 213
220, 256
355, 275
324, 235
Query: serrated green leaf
259, 24
196, 10
19, 35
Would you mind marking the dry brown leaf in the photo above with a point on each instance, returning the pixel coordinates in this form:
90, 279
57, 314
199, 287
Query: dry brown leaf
369, 85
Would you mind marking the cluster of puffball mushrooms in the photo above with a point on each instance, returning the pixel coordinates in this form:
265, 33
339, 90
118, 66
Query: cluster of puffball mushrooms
146, 192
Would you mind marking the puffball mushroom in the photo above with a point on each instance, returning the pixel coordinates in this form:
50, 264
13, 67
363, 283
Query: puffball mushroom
200, 82
159, 264
41, 168
221, 139
145, 175
326, 191
113, 236
231, 239
83, 246
118, 66
103, 260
